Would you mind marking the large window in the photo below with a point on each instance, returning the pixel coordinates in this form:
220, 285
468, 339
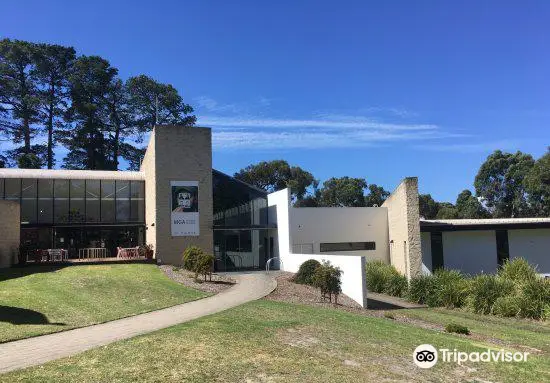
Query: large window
45, 201
93, 209
123, 201
76, 201
137, 201
237, 204
28, 200
13, 189
108, 201
346, 246
61, 201
77, 211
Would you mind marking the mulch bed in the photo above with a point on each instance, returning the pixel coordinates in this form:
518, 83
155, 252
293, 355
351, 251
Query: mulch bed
218, 284
288, 291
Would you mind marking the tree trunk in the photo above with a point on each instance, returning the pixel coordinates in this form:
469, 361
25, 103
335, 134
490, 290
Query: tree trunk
116, 147
50, 137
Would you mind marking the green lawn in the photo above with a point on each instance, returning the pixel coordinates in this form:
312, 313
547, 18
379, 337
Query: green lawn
45, 299
266, 341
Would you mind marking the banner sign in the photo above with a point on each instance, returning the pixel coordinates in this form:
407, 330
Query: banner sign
185, 208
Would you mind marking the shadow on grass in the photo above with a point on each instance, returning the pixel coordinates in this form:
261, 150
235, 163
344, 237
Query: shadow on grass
23, 271
18, 315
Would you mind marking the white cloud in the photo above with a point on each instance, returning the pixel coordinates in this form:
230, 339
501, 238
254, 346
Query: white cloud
326, 122
213, 106
468, 147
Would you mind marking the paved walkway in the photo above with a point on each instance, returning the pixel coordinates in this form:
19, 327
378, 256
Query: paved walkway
42, 349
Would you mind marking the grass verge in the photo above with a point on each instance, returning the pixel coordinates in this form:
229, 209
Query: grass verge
266, 341
44, 299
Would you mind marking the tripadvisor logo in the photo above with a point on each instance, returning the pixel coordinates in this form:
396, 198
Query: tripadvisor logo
426, 356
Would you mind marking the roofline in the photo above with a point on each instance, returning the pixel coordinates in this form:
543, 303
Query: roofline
72, 174
484, 224
239, 181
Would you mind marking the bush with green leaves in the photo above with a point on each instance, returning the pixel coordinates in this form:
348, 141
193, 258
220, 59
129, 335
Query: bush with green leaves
396, 285
534, 298
204, 265
306, 272
384, 278
420, 289
484, 290
518, 270
507, 306
449, 289
457, 328
327, 280
190, 257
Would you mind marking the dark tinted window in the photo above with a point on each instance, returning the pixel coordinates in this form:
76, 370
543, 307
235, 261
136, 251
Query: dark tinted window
237, 204
108, 201
28, 200
347, 246
13, 189
45, 201
93, 192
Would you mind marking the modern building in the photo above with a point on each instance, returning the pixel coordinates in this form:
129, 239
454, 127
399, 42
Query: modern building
174, 201
177, 200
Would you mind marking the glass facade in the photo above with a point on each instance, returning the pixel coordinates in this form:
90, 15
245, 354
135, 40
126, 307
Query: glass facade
78, 213
243, 237
74, 214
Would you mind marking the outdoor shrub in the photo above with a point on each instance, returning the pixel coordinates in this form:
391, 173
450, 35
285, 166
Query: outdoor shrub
306, 272
327, 279
518, 271
420, 288
449, 289
507, 306
204, 265
534, 298
190, 256
457, 328
380, 277
396, 285
484, 290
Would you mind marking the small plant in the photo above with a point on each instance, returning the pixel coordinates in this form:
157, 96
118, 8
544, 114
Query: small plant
190, 256
457, 329
327, 279
389, 315
518, 271
204, 265
306, 272
146, 251
484, 290
420, 288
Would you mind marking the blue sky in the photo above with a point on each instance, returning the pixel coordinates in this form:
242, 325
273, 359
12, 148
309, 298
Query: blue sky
380, 90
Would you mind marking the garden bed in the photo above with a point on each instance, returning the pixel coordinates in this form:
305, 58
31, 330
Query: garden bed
218, 284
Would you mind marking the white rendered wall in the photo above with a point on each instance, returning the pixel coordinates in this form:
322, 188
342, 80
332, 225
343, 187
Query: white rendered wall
471, 252
426, 246
317, 225
353, 272
353, 267
533, 245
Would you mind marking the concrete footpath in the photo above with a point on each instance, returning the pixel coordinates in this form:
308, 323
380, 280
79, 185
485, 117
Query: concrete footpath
34, 351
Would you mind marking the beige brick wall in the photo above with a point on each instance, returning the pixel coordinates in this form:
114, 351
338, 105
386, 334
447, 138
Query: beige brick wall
404, 228
9, 232
177, 153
